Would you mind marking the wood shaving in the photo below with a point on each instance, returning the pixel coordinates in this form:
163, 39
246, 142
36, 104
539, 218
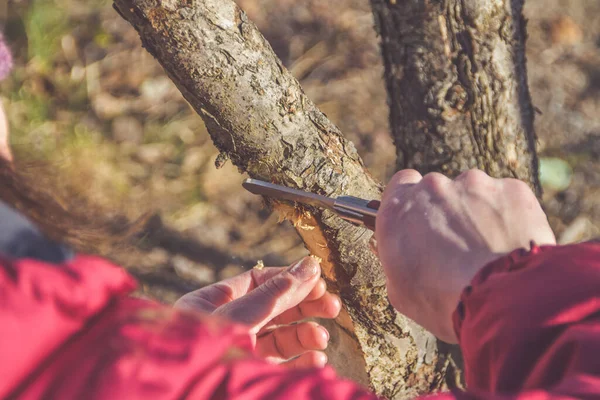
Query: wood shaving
305, 227
319, 259
259, 265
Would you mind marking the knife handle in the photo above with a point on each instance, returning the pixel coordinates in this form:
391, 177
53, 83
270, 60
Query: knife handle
369, 220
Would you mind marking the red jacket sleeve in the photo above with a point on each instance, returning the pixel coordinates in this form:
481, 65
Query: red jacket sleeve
71, 331
529, 325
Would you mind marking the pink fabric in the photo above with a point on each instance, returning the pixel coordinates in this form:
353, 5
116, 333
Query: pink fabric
70, 332
6, 61
531, 321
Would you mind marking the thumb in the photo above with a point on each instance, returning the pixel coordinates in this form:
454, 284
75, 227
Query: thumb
278, 294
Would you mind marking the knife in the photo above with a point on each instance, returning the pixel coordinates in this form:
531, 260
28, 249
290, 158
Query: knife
353, 209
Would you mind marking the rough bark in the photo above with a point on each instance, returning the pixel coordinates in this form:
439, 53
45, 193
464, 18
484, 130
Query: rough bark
457, 86
259, 117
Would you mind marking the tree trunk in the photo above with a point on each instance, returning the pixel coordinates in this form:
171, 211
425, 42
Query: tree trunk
457, 86
259, 117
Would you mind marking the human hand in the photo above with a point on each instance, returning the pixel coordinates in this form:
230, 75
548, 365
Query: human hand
434, 234
273, 302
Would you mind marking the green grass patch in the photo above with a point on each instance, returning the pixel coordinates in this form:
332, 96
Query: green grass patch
46, 23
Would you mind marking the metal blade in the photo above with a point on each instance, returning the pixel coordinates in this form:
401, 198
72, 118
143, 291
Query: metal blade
281, 192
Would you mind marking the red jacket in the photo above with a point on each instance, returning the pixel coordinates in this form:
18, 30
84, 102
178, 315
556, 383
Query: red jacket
529, 328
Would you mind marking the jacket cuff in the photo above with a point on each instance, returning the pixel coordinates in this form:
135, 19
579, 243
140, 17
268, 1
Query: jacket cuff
518, 309
513, 261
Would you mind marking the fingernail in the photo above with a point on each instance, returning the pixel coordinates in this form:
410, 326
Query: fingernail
305, 269
326, 333
323, 360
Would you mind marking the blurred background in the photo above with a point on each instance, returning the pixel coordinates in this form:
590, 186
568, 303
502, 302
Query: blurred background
101, 125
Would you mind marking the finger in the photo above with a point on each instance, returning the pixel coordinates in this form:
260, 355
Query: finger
473, 175
291, 341
244, 283
398, 186
328, 306
406, 176
211, 297
195, 301
311, 359
476, 181
318, 291
261, 276
277, 295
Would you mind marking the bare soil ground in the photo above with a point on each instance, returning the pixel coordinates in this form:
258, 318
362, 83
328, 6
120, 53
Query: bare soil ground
99, 113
